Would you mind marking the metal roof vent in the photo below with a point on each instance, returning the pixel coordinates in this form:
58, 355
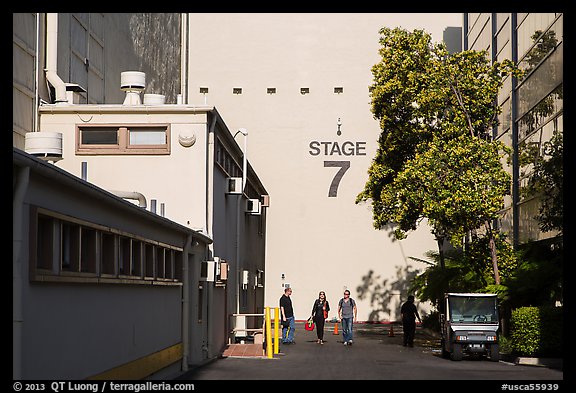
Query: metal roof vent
44, 145
133, 83
154, 99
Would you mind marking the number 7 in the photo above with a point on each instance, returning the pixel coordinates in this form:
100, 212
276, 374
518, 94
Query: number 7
344, 166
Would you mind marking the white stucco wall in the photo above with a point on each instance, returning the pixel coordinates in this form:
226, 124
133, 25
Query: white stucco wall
319, 242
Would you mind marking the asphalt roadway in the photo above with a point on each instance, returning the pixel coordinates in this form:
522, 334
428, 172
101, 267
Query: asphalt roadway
377, 354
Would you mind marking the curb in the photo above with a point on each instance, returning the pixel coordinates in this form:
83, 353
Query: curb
555, 363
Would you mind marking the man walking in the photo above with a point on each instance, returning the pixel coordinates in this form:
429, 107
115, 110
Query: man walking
347, 314
409, 314
287, 314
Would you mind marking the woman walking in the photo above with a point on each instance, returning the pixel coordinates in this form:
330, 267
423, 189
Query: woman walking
319, 315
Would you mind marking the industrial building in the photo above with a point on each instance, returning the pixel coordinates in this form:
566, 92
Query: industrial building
139, 225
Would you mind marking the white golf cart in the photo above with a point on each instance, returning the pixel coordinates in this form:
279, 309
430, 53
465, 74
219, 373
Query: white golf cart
470, 325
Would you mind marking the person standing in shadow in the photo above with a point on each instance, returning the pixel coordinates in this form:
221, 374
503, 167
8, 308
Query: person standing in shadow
409, 315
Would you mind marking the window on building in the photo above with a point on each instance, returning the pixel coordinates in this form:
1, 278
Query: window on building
149, 260
87, 250
124, 255
70, 247
136, 263
225, 161
160, 263
45, 234
177, 258
113, 139
169, 264
146, 136
90, 253
108, 253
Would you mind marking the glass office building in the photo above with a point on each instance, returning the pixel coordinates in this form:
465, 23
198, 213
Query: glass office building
532, 106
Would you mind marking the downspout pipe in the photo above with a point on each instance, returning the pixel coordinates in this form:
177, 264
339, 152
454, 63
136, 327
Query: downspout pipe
52, 58
36, 74
186, 303
209, 223
244, 132
131, 195
210, 177
20, 190
184, 45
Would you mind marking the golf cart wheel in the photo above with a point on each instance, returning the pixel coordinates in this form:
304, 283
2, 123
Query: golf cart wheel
494, 353
445, 353
456, 353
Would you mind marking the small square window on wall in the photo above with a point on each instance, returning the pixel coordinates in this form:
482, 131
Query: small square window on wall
338, 90
271, 90
237, 90
304, 90
203, 90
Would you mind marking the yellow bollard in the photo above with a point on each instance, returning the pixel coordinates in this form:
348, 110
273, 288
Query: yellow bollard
276, 329
268, 334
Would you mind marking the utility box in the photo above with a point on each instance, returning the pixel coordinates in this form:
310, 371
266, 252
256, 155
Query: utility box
207, 271
234, 185
253, 206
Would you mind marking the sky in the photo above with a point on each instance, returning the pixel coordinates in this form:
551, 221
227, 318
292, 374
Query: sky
433, 23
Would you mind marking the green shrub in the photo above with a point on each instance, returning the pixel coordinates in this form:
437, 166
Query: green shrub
431, 321
505, 344
536, 331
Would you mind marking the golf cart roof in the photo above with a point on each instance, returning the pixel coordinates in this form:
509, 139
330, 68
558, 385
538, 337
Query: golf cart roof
471, 294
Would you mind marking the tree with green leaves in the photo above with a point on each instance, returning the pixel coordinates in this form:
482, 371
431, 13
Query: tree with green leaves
436, 158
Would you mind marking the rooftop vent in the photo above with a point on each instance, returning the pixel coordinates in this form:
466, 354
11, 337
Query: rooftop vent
133, 83
44, 145
154, 99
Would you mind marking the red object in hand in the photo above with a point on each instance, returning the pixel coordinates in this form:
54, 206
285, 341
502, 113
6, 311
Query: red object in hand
309, 325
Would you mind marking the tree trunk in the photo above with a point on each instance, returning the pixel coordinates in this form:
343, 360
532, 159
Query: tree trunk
493, 252
440, 241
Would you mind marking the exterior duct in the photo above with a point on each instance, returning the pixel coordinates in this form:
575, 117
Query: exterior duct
131, 195
52, 59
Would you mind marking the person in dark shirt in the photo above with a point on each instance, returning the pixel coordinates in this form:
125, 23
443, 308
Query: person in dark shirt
409, 315
319, 314
287, 315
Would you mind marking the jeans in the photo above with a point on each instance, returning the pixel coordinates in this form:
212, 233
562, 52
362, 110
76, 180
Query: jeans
347, 324
288, 332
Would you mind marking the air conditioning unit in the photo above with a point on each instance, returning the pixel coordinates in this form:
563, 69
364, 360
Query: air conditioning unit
234, 185
253, 206
259, 278
223, 271
207, 270
245, 279
265, 200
